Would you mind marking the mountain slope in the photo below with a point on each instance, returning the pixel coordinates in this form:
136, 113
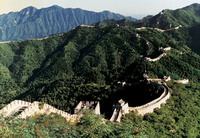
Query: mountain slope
36, 23
89, 61
86, 64
166, 19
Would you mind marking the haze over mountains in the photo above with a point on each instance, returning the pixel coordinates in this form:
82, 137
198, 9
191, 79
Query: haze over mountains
36, 23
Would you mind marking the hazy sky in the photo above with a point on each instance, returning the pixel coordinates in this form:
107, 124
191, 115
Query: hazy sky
136, 8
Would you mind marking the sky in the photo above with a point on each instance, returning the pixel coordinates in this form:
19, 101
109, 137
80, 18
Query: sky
134, 8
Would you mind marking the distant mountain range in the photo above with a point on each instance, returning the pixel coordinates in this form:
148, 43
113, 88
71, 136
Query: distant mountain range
36, 23
91, 63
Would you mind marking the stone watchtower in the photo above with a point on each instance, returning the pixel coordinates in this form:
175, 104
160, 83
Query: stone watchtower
94, 106
120, 109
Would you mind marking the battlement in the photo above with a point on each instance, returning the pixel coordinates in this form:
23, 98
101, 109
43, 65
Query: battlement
120, 109
27, 109
92, 105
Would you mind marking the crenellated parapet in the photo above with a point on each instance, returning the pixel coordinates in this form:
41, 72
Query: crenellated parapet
94, 106
122, 108
40, 108
14, 106
27, 109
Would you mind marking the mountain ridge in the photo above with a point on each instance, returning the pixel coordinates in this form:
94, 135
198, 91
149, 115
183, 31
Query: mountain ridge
109, 61
166, 19
31, 22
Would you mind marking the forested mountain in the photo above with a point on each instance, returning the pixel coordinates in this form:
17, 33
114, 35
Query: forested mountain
36, 23
166, 19
93, 55
87, 62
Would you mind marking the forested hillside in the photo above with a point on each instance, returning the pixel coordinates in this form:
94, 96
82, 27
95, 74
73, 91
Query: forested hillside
85, 55
178, 118
167, 19
86, 64
187, 16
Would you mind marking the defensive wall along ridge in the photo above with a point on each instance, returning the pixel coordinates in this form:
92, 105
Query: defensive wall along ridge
40, 108
158, 29
149, 107
13, 107
122, 108
27, 109
164, 53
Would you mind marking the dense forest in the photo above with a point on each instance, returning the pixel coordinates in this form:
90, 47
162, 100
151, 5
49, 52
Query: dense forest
86, 64
95, 57
178, 118
166, 19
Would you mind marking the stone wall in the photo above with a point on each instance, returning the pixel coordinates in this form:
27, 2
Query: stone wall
40, 108
13, 106
94, 106
120, 109
149, 107
160, 56
155, 59
34, 108
143, 28
184, 81
97, 109
89, 26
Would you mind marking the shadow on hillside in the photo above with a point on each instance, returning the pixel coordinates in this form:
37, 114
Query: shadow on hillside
135, 95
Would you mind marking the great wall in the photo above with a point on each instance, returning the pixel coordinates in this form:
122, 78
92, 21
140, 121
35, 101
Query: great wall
158, 29
122, 108
27, 109
164, 53
149, 107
